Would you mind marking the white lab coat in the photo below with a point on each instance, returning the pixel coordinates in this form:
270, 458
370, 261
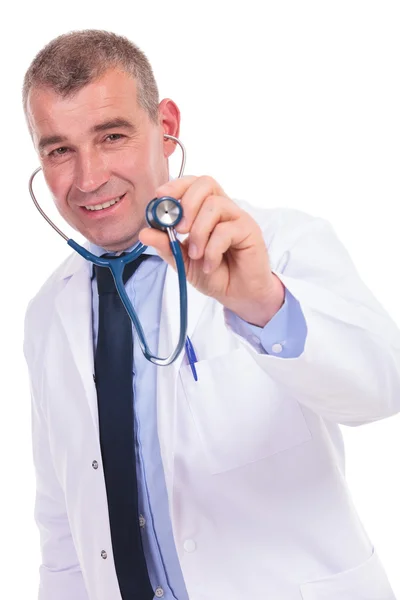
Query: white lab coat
252, 452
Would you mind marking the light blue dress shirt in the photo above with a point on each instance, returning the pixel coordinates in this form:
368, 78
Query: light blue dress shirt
284, 335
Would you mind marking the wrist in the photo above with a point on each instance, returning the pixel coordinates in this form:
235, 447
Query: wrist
260, 311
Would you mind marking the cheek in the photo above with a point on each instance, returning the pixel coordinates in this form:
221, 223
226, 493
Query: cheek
58, 184
136, 168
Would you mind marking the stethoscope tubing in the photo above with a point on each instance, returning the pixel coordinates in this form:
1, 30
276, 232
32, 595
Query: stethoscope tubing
116, 264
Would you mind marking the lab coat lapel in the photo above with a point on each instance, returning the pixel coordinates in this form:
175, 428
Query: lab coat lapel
167, 376
74, 307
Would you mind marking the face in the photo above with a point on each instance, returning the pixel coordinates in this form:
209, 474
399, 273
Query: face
102, 156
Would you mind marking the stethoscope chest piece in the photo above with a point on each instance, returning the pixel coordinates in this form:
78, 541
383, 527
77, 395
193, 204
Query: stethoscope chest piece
163, 213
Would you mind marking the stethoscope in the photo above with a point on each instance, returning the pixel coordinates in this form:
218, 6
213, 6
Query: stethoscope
161, 213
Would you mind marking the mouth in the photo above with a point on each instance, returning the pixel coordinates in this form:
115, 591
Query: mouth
103, 207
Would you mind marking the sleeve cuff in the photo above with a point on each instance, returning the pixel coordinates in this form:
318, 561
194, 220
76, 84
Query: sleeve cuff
284, 336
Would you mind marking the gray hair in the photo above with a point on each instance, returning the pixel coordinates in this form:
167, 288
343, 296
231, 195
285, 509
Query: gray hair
72, 60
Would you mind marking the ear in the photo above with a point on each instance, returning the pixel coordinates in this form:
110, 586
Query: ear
170, 119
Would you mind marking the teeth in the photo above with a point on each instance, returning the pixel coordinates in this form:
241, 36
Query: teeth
105, 205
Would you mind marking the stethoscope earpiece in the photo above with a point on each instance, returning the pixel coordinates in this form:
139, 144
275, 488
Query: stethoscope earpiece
163, 213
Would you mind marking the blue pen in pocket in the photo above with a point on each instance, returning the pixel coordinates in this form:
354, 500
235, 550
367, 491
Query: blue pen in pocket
192, 358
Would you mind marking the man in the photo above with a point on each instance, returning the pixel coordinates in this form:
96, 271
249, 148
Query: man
236, 488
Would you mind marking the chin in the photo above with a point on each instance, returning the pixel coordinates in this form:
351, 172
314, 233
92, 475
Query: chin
116, 244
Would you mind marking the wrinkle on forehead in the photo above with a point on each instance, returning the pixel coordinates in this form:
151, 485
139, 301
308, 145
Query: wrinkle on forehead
46, 107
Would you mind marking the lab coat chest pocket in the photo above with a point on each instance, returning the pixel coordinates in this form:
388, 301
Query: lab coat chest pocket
367, 581
239, 413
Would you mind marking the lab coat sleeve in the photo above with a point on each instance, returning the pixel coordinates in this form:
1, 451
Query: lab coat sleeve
349, 370
60, 574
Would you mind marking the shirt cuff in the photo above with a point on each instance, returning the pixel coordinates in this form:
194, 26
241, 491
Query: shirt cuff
283, 336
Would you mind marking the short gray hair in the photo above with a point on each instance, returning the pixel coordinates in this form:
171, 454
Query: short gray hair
72, 60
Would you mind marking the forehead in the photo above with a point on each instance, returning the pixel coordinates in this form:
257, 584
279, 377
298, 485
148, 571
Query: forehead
113, 94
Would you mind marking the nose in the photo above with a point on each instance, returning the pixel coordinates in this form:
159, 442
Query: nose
91, 171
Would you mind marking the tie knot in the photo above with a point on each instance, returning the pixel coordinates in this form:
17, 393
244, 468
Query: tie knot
105, 280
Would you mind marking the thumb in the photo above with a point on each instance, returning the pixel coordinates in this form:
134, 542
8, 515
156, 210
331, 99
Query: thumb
159, 241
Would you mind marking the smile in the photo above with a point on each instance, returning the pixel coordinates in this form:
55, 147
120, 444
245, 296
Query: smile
105, 205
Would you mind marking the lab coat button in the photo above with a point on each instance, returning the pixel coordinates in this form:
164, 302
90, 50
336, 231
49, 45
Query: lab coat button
103, 554
142, 521
159, 592
95, 464
189, 545
277, 348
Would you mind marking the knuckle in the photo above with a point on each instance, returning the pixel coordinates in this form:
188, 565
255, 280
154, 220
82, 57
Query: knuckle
211, 203
206, 179
222, 229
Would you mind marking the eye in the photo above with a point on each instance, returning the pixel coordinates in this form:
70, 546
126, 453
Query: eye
113, 137
59, 151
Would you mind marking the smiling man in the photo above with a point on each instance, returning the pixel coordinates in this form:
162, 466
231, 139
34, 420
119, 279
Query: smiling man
152, 483
99, 146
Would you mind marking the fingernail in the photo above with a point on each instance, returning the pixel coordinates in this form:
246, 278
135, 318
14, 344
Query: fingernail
206, 266
192, 250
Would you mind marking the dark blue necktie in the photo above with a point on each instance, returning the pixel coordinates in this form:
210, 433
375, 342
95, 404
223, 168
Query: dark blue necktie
113, 369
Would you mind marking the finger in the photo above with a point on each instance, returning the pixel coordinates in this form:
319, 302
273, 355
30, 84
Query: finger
160, 242
176, 188
192, 197
220, 241
215, 209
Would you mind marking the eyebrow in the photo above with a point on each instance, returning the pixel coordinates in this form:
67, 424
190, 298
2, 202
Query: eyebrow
113, 124
50, 140
117, 123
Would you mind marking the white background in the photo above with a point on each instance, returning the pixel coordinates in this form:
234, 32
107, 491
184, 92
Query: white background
285, 104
